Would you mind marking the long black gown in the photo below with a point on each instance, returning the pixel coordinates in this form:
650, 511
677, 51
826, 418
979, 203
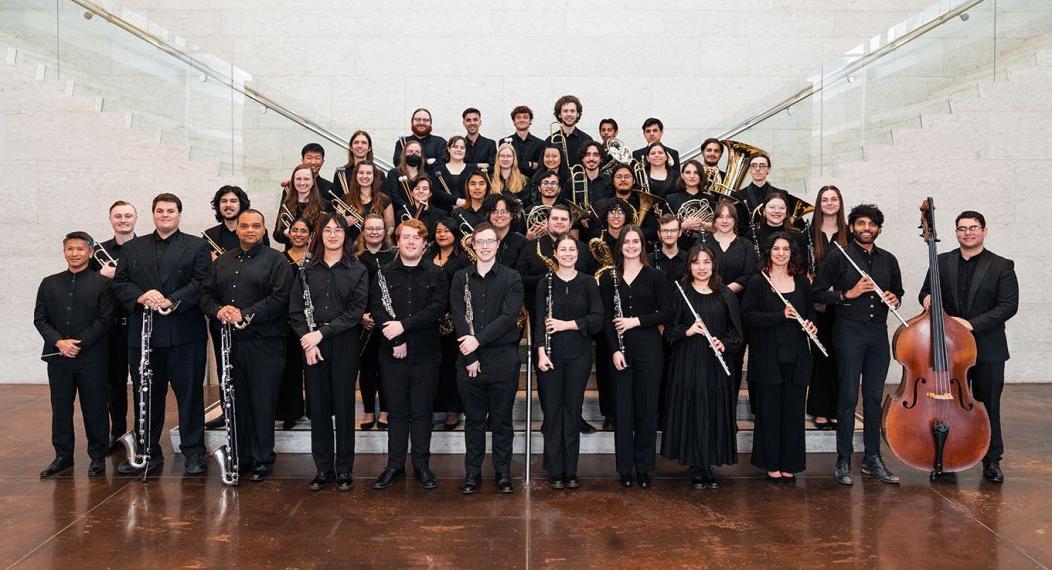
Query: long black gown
700, 428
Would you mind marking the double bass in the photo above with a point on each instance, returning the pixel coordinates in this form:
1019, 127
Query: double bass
932, 421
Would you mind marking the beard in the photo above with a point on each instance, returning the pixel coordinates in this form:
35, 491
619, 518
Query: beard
421, 131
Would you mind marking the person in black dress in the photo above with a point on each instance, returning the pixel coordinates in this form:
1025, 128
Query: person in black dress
574, 314
775, 219
73, 313
372, 248
700, 427
290, 395
661, 176
779, 357
447, 254
641, 297
827, 225
449, 176
301, 200
338, 286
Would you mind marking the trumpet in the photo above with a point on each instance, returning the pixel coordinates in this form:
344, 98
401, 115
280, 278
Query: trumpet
100, 255
405, 214
799, 319
215, 246
227, 456
286, 217
346, 210
556, 137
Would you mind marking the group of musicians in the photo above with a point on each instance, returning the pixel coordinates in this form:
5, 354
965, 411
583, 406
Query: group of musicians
663, 275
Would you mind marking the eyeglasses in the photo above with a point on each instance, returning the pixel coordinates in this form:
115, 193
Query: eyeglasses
617, 213
501, 212
669, 230
485, 241
759, 166
332, 231
969, 229
374, 230
550, 183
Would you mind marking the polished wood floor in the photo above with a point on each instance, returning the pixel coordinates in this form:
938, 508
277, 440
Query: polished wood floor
75, 522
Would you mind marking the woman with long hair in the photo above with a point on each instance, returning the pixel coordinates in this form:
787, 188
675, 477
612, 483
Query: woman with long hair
661, 176
448, 255
365, 195
449, 176
424, 211
779, 357
300, 200
359, 149
690, 185
290, 395
507, 178
636, 297
700, 429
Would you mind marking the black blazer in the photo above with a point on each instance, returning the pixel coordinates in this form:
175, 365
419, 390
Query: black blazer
993, 298
763, 315
178, 277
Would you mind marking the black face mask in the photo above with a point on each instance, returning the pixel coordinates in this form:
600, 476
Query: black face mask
412, 160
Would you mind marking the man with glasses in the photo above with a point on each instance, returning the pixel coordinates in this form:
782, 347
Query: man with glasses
755, 194
623, 181
980, 290
434, 146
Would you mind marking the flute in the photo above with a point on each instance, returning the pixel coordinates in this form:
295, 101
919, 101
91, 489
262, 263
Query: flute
799, 319
704, 330
876, 288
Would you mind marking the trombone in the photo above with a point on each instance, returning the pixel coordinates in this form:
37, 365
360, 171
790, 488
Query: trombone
346, 210
579, 193
215, 246
556, 137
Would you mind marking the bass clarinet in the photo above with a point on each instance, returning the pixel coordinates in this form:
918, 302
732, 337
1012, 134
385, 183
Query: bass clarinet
228, 456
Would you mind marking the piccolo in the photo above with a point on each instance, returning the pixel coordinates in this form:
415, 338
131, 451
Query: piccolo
876, 288
704, 330
799, 319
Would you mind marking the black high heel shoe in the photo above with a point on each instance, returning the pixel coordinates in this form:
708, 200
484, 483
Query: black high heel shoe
366, 425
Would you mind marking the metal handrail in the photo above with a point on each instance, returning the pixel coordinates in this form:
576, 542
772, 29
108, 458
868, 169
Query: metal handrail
224, 79
837, 75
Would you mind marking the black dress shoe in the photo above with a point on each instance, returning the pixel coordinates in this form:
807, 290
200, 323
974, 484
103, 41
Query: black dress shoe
261, 472
572, 482
57, 466
587, 428
992, 472
644, 480
626, 479
321, 481
387, 478
873, 466
471, 483
365, 426
196, 465
344, 482
288, 424
697, 481
842, 471
126, 468
113, 445
504, 484
608, 423
948, 477
381, 425
217, 423
97, 467
556, 483
426, 479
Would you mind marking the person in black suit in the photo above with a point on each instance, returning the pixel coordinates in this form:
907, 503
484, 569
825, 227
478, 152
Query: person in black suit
164, 270
980, 289
73, 313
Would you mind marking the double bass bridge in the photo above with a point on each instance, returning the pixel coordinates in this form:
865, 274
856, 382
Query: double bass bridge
940, 396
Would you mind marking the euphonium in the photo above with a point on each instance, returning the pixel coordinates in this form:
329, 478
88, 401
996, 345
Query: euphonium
228, 456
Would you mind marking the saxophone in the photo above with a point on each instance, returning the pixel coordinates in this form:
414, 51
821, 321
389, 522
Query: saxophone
601, 252
228, 456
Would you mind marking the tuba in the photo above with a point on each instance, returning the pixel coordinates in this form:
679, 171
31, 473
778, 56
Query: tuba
738, 156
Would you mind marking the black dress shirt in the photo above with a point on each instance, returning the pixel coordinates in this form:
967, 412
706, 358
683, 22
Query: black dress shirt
640, 155
774, 339
419, 295
258, 282
600, 188
227, 239
528, 150
574, 142
433, 146
738, 263
338, 293
672, 267
648, 297
510, 248
838, 273
575, 300
74, 306
965, 272
483, 150
533, 269
496, 300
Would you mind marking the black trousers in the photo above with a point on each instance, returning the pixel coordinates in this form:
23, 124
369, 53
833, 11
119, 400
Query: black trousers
330, 390
988, 381
822, 396
564, 396
490, 393
67, 378
778, 439
604, 376
369, 374
635, 399
861, 350
447, 394
117, 377
183, 368
290, 393
410, 394
258, 365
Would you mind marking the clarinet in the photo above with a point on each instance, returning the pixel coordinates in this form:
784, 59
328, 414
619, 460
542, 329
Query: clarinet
755, 237
811, 247
618, 312
228, 456
705, 330
308, 304
385, 295
469, 312
547, 335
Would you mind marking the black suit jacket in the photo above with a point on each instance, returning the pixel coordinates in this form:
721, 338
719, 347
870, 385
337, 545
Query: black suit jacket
178, 277
993, 298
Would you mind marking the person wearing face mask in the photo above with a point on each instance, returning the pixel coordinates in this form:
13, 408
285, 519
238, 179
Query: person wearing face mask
527, 147
573, 311
779, 357
567, 113
407, 300
699, 429
433, 147
485, 300
360, 149
409, 166
73, 313
302, 200
481, 151
860, 336
252, 284
122, 219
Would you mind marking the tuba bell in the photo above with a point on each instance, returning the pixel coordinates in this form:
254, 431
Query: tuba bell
738, 156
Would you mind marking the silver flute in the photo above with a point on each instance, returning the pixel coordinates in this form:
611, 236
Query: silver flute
548, 335
704, 330
876, 288
228, 456
618, 311
799, 319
